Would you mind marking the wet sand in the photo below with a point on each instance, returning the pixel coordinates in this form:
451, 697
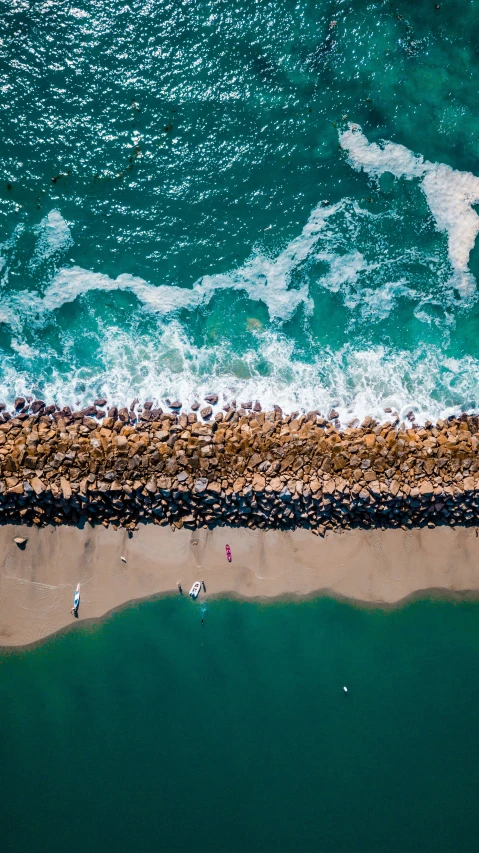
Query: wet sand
374, 567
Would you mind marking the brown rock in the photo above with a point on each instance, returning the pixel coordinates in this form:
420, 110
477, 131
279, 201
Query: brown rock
65, 487
37, 486
206, 412
258, 483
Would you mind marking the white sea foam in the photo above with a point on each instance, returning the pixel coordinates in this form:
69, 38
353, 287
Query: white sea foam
450, 194
263, 279
355, 381
53, 237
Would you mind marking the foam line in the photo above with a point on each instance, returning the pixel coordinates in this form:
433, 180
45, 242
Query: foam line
355, 381
261, 278
449, 193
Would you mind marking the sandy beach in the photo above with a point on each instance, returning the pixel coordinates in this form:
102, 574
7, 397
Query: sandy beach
373, 567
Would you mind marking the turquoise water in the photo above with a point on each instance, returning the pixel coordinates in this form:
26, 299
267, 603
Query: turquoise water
152, 731
180, 211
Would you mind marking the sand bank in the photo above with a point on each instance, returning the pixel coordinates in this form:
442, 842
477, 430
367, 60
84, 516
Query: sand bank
377, 567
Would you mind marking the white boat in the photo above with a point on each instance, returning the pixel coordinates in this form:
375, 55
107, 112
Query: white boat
76, 599
195, 589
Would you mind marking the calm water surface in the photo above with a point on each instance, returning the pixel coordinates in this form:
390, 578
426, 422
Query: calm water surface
152, 731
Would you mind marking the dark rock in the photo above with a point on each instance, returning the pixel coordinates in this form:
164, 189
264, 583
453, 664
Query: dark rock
257, 407
206, 412
149, 405
37, 406
100, 402
195, 406
19, 403
113, 413
278, 409
212, 399
247, 405
175, 404
333, 414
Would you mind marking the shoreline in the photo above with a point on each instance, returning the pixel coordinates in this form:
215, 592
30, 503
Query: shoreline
369, 568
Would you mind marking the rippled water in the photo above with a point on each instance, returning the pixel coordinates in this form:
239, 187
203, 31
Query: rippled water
195, 197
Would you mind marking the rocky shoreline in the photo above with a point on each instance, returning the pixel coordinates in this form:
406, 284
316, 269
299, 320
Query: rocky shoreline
240, 466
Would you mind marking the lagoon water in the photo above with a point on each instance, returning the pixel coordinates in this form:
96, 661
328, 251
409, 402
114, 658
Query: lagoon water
182, 210
151, 731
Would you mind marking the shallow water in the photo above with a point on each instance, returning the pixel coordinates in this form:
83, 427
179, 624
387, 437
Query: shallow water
152, 731
163, 215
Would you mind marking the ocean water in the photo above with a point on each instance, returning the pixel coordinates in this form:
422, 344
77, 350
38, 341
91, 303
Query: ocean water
151, 731
270, 200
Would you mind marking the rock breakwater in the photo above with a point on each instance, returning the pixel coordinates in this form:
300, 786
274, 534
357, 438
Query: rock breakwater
256, 469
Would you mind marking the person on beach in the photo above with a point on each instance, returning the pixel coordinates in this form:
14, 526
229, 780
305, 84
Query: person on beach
180, 588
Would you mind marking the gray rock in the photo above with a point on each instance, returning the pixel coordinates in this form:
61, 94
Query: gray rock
201, 485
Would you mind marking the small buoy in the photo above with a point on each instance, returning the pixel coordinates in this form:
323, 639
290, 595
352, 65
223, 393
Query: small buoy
123, 559
345, 689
